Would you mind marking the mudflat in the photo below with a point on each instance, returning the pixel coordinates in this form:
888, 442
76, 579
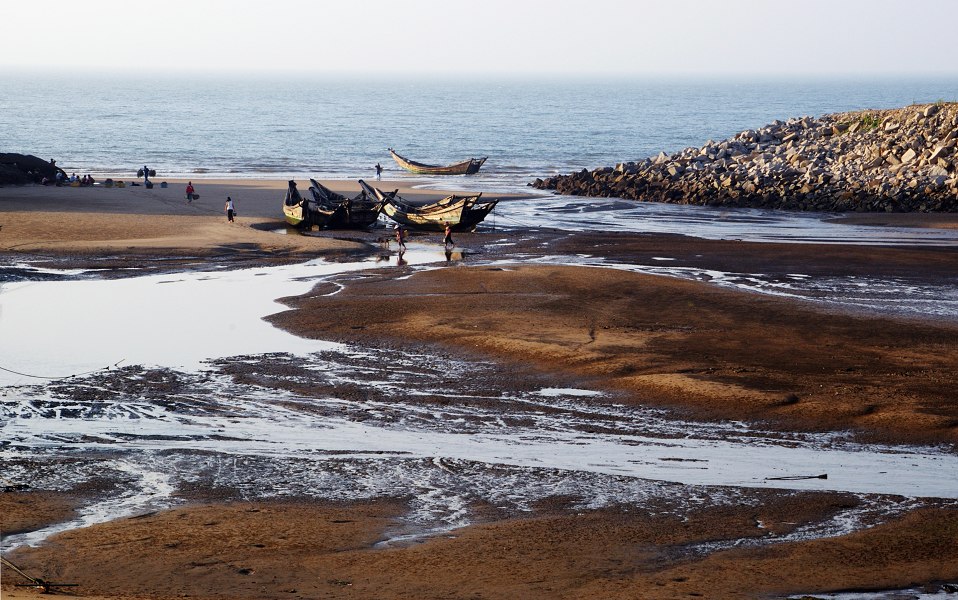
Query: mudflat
689, 347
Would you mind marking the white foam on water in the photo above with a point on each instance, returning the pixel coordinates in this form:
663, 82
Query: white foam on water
558, 392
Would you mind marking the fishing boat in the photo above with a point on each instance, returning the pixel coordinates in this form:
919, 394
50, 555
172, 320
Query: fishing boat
461, 213
357, 212
466, 167
303, 213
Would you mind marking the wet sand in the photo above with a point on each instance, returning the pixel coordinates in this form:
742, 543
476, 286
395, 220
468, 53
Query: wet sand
316, 550
686, 346
712, 353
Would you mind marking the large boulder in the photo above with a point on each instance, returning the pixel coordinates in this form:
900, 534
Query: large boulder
25, 168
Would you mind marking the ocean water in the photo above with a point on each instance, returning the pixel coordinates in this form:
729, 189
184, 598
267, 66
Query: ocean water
339, 128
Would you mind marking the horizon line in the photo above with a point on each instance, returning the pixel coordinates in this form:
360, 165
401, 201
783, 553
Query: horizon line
617, 76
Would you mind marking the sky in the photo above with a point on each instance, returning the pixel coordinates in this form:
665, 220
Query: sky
617, 38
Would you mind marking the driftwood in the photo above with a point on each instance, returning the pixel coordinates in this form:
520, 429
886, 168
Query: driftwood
797, 477
43, 585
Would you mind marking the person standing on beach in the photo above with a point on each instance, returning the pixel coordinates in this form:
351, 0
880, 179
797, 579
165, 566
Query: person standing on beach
447, 240
189, 191
230, 209
379, 171
401, 238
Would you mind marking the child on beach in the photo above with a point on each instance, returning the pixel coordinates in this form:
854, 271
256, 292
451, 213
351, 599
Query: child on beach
189, 191
230, 209
400, 238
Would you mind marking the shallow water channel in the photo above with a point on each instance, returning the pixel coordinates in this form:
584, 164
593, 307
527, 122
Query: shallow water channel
161, 388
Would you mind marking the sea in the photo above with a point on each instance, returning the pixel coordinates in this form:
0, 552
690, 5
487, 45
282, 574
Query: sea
338, 127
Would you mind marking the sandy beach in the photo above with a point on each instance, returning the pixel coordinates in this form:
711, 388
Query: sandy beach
96, 220
690, 348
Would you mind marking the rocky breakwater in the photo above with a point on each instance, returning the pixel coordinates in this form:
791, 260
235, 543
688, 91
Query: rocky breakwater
897, 160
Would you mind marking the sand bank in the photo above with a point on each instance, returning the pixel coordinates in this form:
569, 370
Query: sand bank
666, 342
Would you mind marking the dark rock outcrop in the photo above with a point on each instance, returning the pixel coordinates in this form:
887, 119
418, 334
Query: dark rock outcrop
25, 168
895, 160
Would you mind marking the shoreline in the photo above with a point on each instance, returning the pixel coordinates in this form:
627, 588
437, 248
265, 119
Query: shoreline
105, 220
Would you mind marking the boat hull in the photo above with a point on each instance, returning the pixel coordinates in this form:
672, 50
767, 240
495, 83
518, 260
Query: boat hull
463, 216
358, 212
466, 167
293, 215
303, 213
461, 213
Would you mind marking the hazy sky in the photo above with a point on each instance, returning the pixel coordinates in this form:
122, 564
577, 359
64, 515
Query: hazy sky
505, 37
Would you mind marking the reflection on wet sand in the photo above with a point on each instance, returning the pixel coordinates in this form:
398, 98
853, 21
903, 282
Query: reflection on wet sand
341, 423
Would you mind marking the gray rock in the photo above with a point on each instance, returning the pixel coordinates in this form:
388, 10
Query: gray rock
937, 171
938, 152
898, 159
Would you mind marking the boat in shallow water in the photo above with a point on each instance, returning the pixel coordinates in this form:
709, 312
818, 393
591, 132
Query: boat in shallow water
466, 167
461, 213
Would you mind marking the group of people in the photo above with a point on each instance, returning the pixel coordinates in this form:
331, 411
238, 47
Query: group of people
401, 237
401, 232
61, 178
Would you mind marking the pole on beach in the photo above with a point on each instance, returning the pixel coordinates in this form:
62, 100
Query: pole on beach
43, 585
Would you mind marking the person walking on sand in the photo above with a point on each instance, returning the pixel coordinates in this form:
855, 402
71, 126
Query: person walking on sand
189, 192
400, 238
379, 171
230, 209
447, 240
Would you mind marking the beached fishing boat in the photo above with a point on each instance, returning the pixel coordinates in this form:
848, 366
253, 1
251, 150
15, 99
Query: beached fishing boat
466, 167
303, 213
358, 212
461, 213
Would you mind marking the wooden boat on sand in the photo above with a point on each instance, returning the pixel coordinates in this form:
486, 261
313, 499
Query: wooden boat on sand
329, 209
357, 212
461, 213
466, 167
303, 213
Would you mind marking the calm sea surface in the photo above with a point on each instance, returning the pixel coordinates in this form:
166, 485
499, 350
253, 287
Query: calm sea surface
334, 128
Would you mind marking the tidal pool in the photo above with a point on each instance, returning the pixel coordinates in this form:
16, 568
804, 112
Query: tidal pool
202, 394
